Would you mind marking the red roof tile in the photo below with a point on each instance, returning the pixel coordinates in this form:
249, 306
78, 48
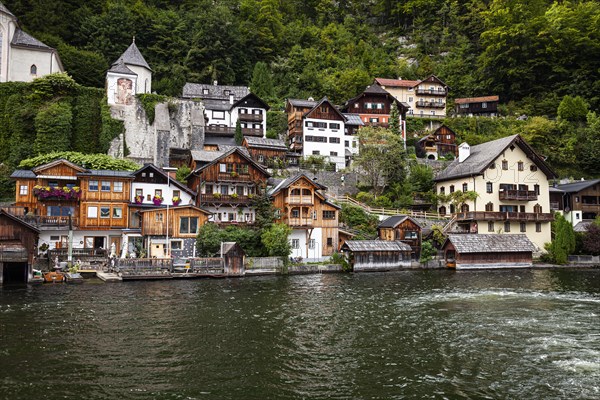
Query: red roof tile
475, 99
396, 82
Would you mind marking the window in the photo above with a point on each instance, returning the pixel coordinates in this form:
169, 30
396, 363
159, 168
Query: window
33, 70
329, 242
226, 92
151, 174
104, 212
356, 105
23, 190
489, 206
334, 126
333, 153
537, 209
507, 226
105, 186
278, 214
92, 212
158, 217
222, 167
143, 174
224, 190
243, 169
312, 124
464, 208
489, 187
188, 225
520, 166
504, 165
93, 186
54, 238
334, 140
295, 243
295, 213
218, 114
208, 189
442, 210
328, 214
433, 112
491, 226
229, 168
205, 91
177, 193
117, 213
239, 190
346, 143
533, 168
536, 189
176, 244
442, 190
484, 105
523, 227
354, 144
323, 109
464, 105
374, 120
261, 158
316, 152
538, 226
451, 188
410, 99
158, 192
493, 166
465, 187
311, 243
118, 187
410, 235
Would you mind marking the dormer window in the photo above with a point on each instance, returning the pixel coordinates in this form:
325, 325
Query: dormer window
205, 91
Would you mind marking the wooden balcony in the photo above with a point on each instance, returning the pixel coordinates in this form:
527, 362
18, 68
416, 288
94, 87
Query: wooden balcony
224, 199
251, 117
233, 177
518, 195
300, 222
252, 132
504, 216
433, 92
299, 200
219, 130
430, 104
295, 116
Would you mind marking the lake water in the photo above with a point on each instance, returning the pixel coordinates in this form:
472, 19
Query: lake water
527, 334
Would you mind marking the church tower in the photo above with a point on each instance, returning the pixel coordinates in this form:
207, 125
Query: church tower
128, 76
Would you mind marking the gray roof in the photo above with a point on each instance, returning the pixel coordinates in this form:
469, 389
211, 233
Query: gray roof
482, 155
265, 143
376, 245
205, 155
24, 39
302, 103
108, 172
23, 173
395, 220
490, 243
219, 140
577, 186
133, 56
289, 181
216, 104
5, 10
215, 92
583, 225
376, 89
120, 68
353, 119
225, 148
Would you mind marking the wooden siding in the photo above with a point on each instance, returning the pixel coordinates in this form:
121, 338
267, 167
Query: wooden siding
100, 195
154, 222
325, 111
400, 233
58, 170
13, 231
99, 222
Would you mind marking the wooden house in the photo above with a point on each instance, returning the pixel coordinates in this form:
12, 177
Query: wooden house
579, 200
18, 247
486, 106
438, 144
314, 220
266, 152
226, 184
425, 98
402, 228
374, 106
476, 251
94, 202
233, 259
172, 231
377, 255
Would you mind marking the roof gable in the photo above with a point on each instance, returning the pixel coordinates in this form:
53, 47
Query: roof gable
396, 220
133, 56
61, 161
172, 181
241, 153
286, 183
251, 100
23, 39
433, 79
19, 221
327, 103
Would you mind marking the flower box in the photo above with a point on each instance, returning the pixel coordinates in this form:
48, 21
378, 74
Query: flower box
176, 200
157, 200
57, 193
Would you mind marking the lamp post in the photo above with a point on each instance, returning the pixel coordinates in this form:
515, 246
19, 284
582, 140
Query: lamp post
168, 170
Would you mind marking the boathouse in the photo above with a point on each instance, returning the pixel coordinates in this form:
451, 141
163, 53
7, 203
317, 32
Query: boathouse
403, 228
233, 258
475, 251
18, 245
377, 255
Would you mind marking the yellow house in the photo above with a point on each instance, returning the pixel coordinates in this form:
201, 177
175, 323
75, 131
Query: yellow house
424, 98
511, 182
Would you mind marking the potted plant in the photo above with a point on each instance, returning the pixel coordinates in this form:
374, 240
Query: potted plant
234, 196
157, 200
176, 200
234, 174
139, 199
217, 195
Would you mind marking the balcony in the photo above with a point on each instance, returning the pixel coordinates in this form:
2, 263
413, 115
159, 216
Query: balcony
504, 216
224, 199
433, 92
300, 222
295, 116
233, 177
219, 130
518, 195
299, 200
251, 117
252, 132
430, 104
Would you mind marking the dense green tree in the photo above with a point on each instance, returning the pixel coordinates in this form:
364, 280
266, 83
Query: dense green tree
573, 109
262, 82
275, 240
563, 242
238, 136
53, 127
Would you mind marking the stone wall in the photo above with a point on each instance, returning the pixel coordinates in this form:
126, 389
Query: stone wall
177, 124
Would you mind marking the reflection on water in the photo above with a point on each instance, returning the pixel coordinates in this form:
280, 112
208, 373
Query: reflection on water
414, 334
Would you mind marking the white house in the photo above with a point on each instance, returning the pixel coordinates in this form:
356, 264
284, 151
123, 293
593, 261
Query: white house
128, 76
22, 57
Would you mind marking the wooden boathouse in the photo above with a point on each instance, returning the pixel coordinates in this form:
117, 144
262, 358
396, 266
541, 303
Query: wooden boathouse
377, 255
478, 251
18, 245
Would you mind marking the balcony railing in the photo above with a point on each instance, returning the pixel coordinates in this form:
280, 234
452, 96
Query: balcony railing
519, 195
234, 177
252, 132
250, 117
219, 130
299, 200
308, 222
504, 216
224, 199
430, 104
435, 92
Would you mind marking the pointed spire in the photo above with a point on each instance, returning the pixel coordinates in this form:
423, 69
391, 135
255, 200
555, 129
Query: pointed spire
133, 56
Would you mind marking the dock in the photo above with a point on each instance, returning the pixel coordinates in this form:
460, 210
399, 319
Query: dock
108, 276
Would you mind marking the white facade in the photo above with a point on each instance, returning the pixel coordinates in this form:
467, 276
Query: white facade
144, 78
324, 137
23, 62
243, 213
81, 238
149, 190
118, 89
236, 111
304, 247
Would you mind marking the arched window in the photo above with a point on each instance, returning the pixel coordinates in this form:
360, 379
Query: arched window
489, 206
146, 86
442, 210
33, 70
452, 209
537, 209
464, 208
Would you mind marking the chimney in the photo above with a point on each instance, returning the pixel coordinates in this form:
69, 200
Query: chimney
215, 83
464, 151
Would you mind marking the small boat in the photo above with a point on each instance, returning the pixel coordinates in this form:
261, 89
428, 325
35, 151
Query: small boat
73, 277
54, 276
